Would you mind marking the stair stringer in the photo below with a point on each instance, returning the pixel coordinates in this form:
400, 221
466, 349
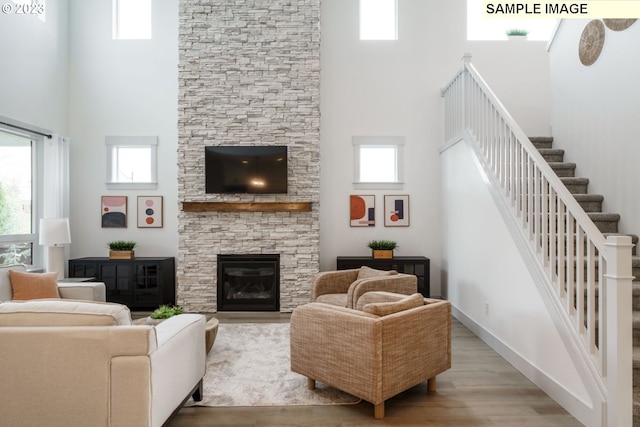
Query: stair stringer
589, 413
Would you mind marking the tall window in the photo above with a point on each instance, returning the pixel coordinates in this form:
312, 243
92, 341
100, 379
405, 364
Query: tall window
17, 185
131, 19
480, 27
378, 20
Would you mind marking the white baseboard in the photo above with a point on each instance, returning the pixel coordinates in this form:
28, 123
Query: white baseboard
582, 411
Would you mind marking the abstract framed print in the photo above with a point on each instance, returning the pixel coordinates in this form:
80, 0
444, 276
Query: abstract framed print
114, 211
149, 211
396, 210
362, 210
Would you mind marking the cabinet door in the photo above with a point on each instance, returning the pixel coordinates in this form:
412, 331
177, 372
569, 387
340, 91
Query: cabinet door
118, 279
147, 285
81, 269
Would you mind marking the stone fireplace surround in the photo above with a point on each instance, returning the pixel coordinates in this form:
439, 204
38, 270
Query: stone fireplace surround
249, 74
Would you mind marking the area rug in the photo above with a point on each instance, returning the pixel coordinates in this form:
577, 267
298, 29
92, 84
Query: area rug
249, 365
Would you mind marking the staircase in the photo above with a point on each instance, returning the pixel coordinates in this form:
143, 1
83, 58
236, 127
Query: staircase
607, 223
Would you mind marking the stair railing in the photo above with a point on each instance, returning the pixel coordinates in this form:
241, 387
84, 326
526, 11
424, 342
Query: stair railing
572, 257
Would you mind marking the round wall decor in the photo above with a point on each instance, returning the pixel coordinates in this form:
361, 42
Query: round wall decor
618, 24
591, 42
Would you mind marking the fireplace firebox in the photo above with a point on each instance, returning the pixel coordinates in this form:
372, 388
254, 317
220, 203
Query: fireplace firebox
249, 282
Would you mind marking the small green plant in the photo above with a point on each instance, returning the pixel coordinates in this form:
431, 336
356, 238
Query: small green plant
121, 245
382, 245
164, 312
517, 32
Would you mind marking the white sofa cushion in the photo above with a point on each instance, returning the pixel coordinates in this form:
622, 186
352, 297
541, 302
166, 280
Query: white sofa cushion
55, 312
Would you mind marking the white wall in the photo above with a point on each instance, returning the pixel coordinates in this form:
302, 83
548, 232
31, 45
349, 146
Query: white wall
393, 88
493, 291
595, 115
121, 87
34, 71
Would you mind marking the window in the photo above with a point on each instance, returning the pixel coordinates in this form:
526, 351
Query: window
17, 189
378, 20
131, 19
131, 162
480, 27
378, 161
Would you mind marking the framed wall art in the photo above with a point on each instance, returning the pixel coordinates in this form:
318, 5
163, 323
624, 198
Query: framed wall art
362, 210
114, 211
396, 210
149, 211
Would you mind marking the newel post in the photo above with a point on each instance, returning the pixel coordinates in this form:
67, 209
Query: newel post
618, 352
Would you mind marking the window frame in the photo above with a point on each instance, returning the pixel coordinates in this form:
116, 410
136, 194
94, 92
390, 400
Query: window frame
116, 23
361, 20
396, 142
37, 195
114, 142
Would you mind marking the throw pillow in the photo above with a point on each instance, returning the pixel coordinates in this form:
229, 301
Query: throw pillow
367, 272
33, 285
386, 308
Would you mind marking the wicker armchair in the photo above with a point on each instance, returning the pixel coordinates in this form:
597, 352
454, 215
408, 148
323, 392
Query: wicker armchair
344, 287
373, 356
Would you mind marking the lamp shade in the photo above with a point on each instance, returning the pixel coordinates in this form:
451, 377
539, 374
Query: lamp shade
54, 231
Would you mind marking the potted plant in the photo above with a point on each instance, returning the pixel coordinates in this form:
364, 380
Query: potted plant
120, 249
517, 34
164, 312
382, 248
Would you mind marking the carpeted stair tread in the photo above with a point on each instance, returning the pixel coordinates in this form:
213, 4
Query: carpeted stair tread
603, 216
575, 185
636, 405
636, 324
541, 141
563, 169
552, 154
590, 202
589, 197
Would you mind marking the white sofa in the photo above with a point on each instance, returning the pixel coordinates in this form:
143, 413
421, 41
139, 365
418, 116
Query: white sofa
89, 291
75, 363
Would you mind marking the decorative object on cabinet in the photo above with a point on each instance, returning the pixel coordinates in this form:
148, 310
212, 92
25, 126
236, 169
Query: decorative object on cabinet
140, 283
150, 212
382, 248
114, 211
120, 249
591, 42
619, 24
362, 209
416, 265
517, 34
396, 211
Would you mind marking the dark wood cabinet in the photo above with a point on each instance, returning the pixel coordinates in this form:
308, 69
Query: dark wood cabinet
140, 283
416, 265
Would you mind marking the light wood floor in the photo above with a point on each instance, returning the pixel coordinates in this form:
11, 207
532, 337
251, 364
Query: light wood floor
481, 389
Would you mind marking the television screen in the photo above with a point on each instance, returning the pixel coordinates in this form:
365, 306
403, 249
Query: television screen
246, 169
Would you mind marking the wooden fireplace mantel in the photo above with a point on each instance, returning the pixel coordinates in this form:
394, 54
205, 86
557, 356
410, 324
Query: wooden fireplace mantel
246, 206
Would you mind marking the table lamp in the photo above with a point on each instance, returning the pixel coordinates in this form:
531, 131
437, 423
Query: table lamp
54, 232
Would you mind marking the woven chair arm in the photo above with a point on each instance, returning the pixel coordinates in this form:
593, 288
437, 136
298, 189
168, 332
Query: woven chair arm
332, 282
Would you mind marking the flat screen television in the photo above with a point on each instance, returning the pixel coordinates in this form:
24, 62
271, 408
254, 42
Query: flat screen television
246, 169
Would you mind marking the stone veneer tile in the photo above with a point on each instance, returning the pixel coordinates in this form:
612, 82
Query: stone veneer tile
249, 74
